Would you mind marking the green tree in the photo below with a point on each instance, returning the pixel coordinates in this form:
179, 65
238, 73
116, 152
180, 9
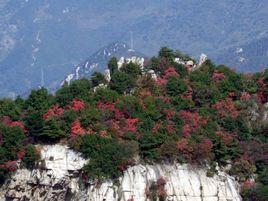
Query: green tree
9, 108
132, 69
106, 156
11, 142
31, 156
183, 56
52, 130
176, 86
122, 82
167, 53
180, 69
34, 122
97, 78
39, 100
112, 65
78, 89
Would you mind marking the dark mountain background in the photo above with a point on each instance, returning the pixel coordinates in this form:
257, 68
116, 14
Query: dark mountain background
50, 37
99, 60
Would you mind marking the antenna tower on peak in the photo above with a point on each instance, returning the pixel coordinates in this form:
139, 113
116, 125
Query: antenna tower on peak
42, 77
131, 41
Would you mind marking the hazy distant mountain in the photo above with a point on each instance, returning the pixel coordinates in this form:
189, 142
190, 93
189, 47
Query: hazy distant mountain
246, 57
50, 37
99, 60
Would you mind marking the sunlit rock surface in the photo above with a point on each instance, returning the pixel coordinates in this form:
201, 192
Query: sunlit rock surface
58, 179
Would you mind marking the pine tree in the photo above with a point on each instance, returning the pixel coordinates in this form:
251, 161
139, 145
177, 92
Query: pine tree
52, 130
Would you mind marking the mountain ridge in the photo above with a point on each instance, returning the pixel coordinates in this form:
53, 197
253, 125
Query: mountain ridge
99, 60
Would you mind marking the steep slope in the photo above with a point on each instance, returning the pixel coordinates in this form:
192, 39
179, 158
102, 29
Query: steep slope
98, 61
59, 180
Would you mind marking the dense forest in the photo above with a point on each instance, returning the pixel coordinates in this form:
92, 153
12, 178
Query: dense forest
208, 116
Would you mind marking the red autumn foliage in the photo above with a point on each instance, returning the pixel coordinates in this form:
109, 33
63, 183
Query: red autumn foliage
169, 113
254, 151
110, 107
10, 165
170, 72
218, 76
165, 99
245, 96
131, 199
161, 182
186, 130
262, 92
160, 81
156, 127
163, 65
54, 111
226, 137
77, 129
118, 114
231, 95
182, 144
248, 184
170, 129
195, 152
106, 106
20, 154
188, 94
144, 93
78, 105
206, 144
161, 191
226, 108
131, 124
201, 151
103, 133
122, 167
192, 122
8, 122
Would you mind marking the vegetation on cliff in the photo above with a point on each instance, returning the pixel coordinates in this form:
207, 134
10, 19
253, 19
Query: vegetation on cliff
208, 115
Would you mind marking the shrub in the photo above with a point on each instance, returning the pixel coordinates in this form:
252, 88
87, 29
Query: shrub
106, 156
176, 86
78, 89
31, 156
132, 69
122, 82
51, 131
11, 143
97, 79
258, 193
39, 100
243, 168
112, 65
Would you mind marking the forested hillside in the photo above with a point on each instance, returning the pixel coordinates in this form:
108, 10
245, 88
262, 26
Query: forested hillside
166, 112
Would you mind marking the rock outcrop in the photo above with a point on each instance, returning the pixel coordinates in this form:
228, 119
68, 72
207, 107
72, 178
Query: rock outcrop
58, 178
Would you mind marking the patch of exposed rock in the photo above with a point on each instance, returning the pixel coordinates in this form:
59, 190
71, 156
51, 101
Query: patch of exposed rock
58, 179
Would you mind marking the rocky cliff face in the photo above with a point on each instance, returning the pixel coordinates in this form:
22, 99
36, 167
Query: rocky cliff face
57, 178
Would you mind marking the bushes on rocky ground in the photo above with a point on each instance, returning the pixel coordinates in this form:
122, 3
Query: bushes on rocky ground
181, 116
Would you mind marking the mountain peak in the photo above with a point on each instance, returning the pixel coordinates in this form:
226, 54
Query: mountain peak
98, 61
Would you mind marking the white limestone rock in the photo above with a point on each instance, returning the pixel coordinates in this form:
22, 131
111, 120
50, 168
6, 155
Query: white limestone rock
152, 74
190, 63
56, 182
59, 159
203, 58
133, 59
107, 75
